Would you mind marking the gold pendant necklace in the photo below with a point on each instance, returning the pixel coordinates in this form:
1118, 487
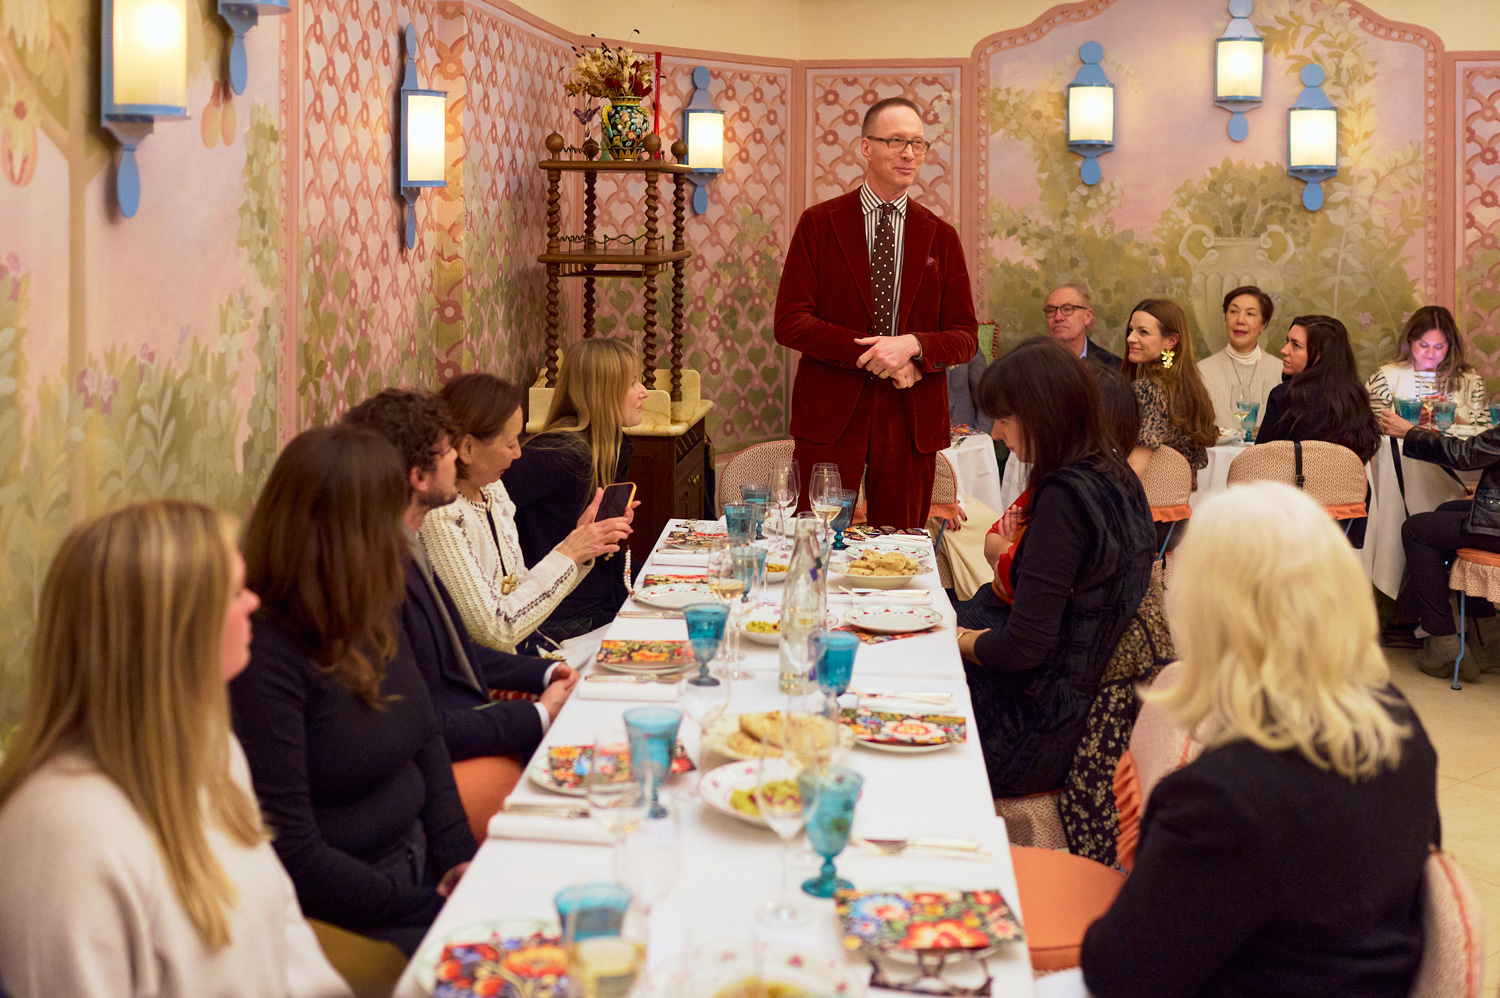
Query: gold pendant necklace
508, 584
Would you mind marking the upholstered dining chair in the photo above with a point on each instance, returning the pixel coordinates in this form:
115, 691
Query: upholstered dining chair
1475, 573
1452, 933
1331, 474
753, 464
1168, 480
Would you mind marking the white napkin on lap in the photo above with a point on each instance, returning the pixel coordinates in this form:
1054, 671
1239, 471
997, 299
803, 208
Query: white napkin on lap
541, 828
686, 559
654, 692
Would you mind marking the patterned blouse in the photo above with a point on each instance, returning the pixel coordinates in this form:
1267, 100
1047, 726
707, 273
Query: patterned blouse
1157, 427
1401, 380
461, 539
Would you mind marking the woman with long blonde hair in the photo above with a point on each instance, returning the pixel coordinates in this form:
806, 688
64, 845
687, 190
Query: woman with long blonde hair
581, 448
1288, 857
134, 855
1176, 410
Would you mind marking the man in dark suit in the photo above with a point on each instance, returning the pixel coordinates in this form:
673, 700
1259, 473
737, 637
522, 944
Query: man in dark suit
459, 672
875, 294
1070, 318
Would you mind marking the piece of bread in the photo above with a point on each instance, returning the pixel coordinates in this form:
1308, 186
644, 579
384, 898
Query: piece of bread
743, 745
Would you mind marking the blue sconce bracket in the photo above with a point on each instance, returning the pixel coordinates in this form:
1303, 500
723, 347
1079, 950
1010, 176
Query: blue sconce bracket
1312, 98
700, 104
1090, 74
1239, 29
241, 17
410, 87
128, 123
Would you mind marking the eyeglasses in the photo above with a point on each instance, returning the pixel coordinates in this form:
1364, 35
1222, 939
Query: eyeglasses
897, 144
1066, 311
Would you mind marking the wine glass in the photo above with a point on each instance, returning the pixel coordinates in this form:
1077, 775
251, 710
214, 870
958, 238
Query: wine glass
780, 803
785, 484
600, 960
651, 858
618, 796
829, 818
749, 564
727, 587
826, 491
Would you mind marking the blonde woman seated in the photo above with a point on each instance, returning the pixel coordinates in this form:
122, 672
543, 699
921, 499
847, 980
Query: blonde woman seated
134, 857
473, 542
1430, 360
1287, 859
1175, 408
581, 448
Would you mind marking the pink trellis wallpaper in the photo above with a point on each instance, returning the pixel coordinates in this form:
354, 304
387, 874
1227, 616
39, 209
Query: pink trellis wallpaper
1478, 269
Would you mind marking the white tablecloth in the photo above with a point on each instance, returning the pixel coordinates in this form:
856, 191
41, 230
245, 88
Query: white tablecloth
730, 867
973, 460
1211, 478
1427, 487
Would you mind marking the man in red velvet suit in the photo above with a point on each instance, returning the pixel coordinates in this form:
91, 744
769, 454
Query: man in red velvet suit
875, 294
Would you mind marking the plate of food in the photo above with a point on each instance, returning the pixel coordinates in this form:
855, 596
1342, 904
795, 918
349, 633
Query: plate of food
742, 736
731, 790
564, 769
902, 732
893, 619
736, 968
522, 957
878, 568
763, 624
673, 595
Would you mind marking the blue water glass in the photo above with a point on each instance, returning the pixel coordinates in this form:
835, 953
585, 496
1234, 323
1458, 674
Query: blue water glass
749, 566
833, 659
705, 627
1247, 412
653, 736
759, 497
1443, 411
738, 522
1495, 415
843, 518
597, 909
1409, 410
828, 798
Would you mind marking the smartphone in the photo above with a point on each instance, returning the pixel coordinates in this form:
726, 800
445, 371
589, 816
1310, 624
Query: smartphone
617, 499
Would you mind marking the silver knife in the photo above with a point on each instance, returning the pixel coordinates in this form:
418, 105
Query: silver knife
546, 810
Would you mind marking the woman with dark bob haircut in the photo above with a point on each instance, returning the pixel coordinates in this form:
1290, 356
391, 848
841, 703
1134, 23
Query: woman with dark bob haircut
344, 746
1080, 572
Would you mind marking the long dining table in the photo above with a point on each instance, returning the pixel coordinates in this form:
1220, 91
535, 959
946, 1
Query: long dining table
730, 867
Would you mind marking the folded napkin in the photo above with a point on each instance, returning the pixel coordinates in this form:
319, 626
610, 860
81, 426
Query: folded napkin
686, 559
542, 828
905, 596
596, 690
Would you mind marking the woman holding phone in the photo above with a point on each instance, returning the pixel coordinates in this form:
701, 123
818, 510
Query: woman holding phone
473, 543
582, 448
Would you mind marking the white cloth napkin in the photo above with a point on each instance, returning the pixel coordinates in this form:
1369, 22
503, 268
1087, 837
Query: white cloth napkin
684, 559
541, 828
656, 692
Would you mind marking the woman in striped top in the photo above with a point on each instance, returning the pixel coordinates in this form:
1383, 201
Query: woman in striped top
1430, 360
473, 542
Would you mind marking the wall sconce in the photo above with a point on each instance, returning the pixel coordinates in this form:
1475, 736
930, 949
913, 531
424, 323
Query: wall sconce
242, 16
424, 126
143, 79
1091, 112
704, 128
1240, 62
1313, 138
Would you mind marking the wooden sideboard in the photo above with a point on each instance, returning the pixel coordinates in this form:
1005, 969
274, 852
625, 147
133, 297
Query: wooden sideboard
670, 481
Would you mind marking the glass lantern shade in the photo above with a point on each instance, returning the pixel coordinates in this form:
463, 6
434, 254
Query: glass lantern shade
424, 121
1314, 138
147, 66
1091, 114
1240, 69
705, 139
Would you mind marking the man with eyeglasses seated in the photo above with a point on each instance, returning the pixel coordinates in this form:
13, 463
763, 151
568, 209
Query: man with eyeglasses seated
875, 294
1069, 313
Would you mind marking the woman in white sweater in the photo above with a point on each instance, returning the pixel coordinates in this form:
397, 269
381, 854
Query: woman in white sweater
135, 861
1242, 370
473, 542
1430, 361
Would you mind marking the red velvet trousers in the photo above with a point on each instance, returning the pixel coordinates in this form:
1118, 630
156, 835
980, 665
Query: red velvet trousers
880, 445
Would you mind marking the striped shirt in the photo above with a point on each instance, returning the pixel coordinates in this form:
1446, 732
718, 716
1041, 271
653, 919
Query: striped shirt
871, 202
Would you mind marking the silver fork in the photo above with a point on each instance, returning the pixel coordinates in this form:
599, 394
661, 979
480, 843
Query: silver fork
955, 848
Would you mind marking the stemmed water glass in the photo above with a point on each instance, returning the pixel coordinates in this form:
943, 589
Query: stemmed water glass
652, 733
843, 518
825, 491
782, 806
829, 817
785, 484
728, 588
749, 564
618, 795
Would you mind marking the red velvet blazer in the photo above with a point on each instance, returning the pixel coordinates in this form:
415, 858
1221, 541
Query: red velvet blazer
826, 302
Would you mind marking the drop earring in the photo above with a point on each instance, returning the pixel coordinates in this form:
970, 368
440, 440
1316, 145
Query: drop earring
1167, 356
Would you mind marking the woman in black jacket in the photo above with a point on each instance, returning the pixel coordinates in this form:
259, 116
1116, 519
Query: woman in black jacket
1080, 571
344, 747
1321, 397
1431, 539
1288, 858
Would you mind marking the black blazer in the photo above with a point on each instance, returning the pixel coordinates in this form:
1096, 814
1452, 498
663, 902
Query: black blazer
1481, 452
1260, 874
1099, 355
473, 724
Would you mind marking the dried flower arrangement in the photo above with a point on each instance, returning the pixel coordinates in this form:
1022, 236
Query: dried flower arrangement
606, 72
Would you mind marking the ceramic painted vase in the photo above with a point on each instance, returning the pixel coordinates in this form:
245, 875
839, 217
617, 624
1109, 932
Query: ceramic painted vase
625, 128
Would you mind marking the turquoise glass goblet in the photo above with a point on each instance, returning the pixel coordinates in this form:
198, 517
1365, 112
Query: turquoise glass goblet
652, 732
1443, 411
833, 657
738, 522
843, 518
705, 627
828, 798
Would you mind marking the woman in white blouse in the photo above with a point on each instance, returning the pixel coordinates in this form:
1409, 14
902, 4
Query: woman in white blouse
1242, 371
1430, 361
473, 542
133, 854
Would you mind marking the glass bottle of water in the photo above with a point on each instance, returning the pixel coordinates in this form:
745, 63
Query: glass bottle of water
804, 601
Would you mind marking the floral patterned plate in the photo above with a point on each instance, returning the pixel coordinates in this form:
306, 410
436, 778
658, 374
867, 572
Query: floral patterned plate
925, 917
896, 731
524, 954
674, 595
893, 619
564, 769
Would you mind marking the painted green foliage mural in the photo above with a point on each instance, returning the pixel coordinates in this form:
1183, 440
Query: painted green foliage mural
1351, 260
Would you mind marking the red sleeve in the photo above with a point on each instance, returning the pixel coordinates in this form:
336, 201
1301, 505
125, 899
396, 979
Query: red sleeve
957, 336
796, 323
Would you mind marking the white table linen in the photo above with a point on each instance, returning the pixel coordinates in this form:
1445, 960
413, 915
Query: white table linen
1214, 476
1427, 487
730, 867
978, 473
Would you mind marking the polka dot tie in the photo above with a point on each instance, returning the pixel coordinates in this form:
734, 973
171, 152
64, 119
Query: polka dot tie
883, 272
